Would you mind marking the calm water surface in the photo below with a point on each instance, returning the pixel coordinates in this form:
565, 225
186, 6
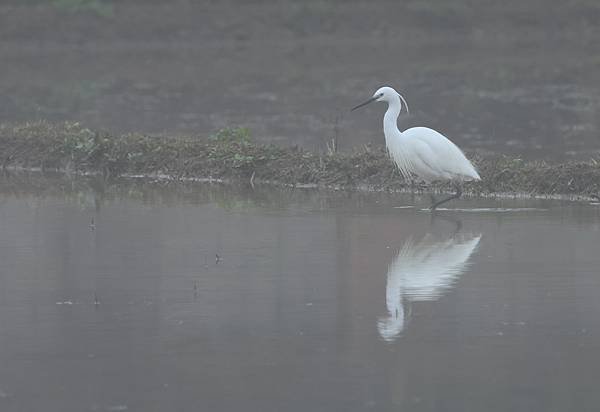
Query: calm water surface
318, 302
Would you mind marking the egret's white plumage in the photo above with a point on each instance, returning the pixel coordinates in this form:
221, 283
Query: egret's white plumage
429, 155
421, 151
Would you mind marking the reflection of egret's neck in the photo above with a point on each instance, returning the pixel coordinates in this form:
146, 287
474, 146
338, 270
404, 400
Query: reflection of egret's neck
390, 326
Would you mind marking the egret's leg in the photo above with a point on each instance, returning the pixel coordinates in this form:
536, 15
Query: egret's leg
454, 196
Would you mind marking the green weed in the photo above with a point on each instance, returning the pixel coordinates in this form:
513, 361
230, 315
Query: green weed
231, 135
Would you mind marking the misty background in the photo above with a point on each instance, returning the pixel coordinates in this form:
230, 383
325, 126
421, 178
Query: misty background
515, 77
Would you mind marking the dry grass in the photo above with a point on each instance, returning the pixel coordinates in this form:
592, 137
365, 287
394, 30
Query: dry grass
231, 155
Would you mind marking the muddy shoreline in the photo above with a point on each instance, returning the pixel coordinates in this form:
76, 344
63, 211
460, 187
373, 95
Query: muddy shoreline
231, 156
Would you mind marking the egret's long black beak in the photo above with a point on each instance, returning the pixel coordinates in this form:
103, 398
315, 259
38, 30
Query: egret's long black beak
372, 99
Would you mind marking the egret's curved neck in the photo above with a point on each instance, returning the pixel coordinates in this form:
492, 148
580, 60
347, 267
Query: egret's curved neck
390, 119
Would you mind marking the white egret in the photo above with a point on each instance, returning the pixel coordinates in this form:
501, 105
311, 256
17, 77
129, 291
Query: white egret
420, 150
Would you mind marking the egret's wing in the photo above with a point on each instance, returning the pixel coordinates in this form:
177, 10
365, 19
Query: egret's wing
442, 155
427, 161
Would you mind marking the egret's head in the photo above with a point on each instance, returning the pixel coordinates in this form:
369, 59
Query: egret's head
385, 94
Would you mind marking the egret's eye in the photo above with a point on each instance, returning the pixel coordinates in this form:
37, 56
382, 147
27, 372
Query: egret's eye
380, 94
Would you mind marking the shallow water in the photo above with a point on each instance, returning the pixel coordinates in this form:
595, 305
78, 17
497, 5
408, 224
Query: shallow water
317, 301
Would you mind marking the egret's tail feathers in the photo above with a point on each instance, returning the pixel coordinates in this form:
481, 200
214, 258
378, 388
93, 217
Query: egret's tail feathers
470, 178
467, 175
471, 172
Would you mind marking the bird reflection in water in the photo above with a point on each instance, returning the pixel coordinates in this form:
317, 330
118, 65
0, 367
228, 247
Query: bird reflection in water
423, 271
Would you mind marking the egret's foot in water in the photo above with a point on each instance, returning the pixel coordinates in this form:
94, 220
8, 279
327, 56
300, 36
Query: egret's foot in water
454, 196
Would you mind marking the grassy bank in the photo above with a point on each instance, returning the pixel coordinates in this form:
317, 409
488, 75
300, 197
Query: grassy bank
231, 155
